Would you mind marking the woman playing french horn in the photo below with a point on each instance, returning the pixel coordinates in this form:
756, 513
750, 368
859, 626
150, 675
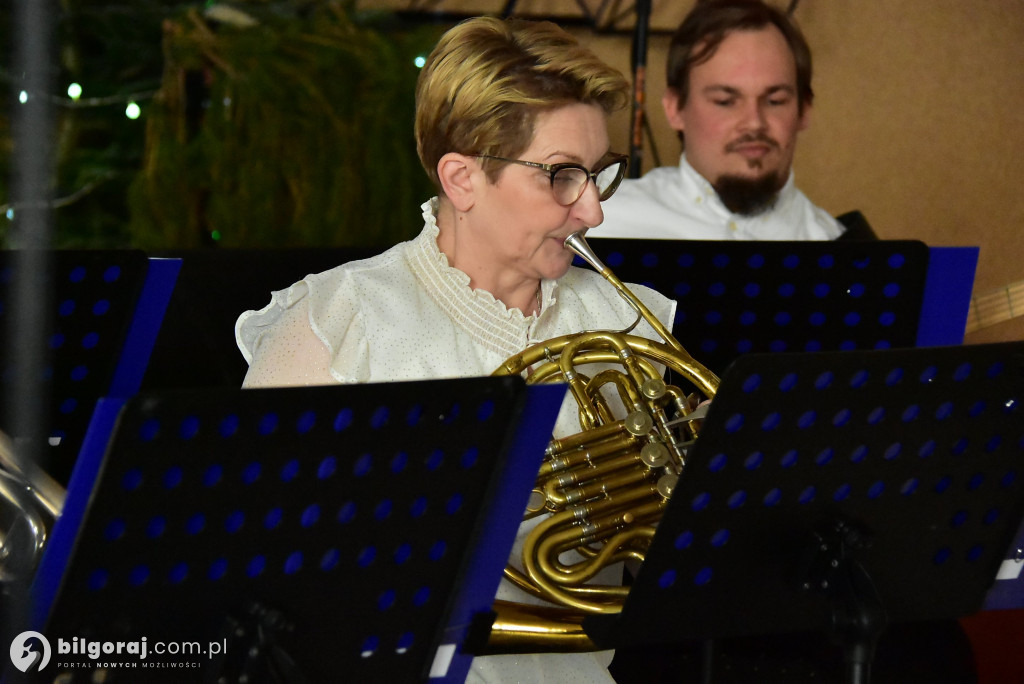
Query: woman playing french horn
511, 127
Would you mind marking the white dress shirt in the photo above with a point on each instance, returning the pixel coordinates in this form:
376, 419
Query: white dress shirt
677, 203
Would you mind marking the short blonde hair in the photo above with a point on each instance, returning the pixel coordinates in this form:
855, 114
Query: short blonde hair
487, 79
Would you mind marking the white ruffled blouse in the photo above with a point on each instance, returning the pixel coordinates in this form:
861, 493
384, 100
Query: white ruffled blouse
407, 315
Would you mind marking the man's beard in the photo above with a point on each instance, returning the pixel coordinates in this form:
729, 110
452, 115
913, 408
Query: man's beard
749, 196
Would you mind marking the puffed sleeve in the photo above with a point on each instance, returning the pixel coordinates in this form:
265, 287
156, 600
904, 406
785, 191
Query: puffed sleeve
310, 334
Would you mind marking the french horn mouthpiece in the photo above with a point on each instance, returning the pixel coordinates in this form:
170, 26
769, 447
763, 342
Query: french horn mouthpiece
577, 244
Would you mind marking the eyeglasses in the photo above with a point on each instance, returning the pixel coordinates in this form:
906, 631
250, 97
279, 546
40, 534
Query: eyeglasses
568, 181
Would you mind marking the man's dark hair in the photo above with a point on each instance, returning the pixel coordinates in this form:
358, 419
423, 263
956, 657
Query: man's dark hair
707, 25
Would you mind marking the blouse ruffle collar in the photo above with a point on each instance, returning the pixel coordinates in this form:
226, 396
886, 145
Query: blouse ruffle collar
493, 324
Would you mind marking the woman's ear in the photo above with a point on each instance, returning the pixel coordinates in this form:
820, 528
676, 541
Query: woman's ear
458, 175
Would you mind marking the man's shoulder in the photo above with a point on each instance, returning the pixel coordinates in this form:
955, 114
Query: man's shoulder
653, 183
657, 205
811, 221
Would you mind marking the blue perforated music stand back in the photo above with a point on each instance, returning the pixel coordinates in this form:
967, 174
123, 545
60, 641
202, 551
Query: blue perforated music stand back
350, 514
917, 451
107, 308
739, 297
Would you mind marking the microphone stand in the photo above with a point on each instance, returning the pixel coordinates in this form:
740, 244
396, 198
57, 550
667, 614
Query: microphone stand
643, 17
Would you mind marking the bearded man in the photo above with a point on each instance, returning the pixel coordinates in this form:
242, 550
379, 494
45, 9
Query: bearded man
739, 92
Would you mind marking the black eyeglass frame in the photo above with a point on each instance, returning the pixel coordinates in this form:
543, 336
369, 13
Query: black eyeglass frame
608, 160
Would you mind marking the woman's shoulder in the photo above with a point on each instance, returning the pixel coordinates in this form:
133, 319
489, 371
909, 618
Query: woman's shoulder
385, 264
340, 286
587, 301
583, 282
368, 264
592, 286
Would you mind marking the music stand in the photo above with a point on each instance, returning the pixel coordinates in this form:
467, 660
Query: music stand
848, 487
307, 531
107, 309
742, 297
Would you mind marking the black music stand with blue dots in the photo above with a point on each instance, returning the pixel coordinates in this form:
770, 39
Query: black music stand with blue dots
108, 306
838, 491
342, 533
742, 297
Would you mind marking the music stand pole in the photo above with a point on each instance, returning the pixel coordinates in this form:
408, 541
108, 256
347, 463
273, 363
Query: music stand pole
858, 614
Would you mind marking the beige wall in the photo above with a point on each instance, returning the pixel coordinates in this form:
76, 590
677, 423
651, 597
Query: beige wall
917, 120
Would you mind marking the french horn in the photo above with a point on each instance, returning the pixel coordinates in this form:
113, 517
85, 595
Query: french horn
30, 503
602, 491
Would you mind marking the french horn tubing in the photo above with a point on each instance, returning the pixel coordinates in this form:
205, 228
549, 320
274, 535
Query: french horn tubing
30, 503
601, 491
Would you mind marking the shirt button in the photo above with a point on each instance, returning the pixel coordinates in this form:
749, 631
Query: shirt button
733, 226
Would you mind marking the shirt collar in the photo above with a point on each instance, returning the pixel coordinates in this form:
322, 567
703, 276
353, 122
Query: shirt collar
500, 328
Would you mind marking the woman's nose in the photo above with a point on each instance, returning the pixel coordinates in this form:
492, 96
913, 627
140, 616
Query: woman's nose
588, 207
